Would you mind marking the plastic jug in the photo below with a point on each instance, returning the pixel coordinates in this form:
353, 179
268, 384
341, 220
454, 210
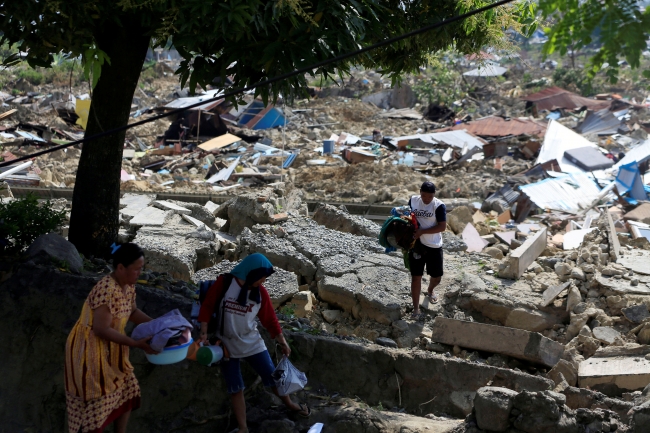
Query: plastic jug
208, 355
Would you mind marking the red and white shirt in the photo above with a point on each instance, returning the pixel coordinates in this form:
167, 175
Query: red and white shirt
240, 334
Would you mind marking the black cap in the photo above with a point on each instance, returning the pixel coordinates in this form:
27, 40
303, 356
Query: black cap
428, 187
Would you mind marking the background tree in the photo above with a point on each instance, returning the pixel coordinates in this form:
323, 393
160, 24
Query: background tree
621, 27
250, 40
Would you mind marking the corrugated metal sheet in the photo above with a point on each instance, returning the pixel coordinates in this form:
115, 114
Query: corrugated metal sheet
185, 102
488, 70
495, 126
603, 122
569, 193
640, 154
457, 139
555, 98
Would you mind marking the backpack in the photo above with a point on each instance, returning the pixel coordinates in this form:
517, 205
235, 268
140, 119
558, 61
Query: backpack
204, 287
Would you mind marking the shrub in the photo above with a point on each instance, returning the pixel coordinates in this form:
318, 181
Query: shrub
25, 219
31, 75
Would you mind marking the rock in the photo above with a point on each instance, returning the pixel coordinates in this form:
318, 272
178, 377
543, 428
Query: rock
458, 218
543, 412
336, 219
452, 243
54, 248
578, 274
492, 406
387, 342
331, 316
606, 334
494, 252
562, 269
635, 313
643, 337
573, 298
568, 371
640, 418
504, 248
304, 303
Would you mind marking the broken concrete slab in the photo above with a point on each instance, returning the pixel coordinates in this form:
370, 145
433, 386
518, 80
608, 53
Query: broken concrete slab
149, 216
622, 286
279, 251
568, 371
211, 207
196, 223
338, 219
171, 207
427, 382
606, 334
282, 285
171, 250
636, 313
552, 292
136, 201
636, 261
616, 369
523, 256
530, 346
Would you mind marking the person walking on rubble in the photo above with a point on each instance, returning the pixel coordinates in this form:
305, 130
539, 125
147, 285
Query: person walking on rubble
245, 299
431, 215
100, 386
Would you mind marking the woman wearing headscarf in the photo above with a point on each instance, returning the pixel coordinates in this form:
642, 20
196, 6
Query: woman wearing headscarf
99, 381
244, 299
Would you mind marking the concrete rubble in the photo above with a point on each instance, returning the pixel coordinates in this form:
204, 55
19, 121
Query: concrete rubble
543, 319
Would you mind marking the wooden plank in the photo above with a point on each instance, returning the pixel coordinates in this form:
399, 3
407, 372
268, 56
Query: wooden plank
219, 142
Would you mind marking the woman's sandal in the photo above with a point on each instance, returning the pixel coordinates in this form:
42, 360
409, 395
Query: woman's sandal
304, 410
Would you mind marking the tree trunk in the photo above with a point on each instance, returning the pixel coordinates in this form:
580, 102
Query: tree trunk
94, 220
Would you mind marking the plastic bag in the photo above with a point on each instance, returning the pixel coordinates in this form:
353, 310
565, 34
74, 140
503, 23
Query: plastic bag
288, 379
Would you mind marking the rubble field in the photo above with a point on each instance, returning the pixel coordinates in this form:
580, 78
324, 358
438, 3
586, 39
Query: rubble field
543, 318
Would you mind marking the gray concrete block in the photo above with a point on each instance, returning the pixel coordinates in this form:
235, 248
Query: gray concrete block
529, 346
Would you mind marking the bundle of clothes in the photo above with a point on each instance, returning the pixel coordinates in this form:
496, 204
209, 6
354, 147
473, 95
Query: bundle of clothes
165, 331
398, 230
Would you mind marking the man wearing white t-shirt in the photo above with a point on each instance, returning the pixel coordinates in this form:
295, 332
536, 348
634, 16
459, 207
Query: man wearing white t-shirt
431, 216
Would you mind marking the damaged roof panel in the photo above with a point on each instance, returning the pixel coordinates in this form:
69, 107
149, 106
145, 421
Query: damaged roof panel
569, 193
458, 139
603, 122
495, 126
555, 98
559, 139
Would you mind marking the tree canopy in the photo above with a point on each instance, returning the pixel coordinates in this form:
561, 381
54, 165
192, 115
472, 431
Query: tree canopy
252, 40
619, 29
247, 41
